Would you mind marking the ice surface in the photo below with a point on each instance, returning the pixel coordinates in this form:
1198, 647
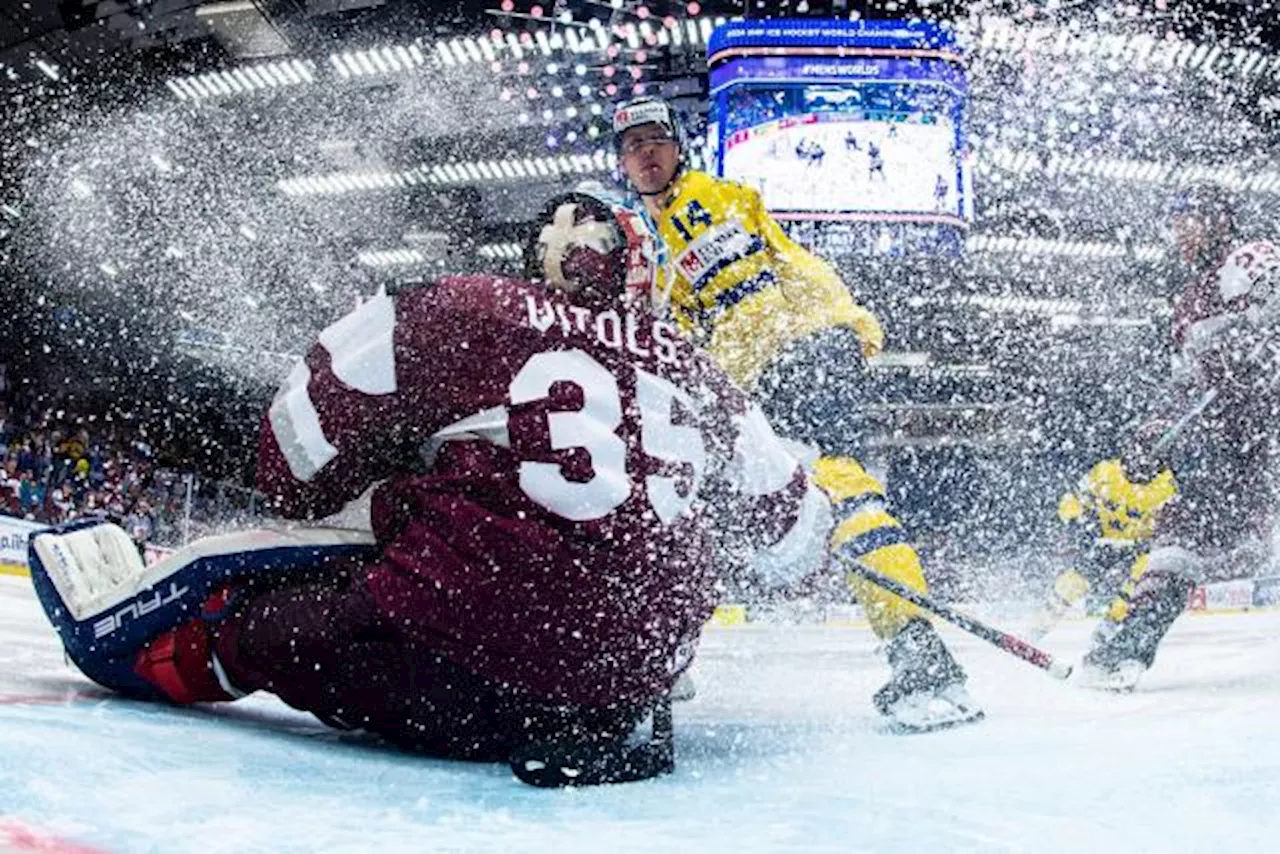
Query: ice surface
780, 752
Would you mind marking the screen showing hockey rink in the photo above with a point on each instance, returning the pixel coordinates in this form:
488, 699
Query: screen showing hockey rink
867, 150
839, 122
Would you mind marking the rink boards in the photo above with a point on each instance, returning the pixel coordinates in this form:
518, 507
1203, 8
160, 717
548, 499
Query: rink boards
1217, 597
14, 535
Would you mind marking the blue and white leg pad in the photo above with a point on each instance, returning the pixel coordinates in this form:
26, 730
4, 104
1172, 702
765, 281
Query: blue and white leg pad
105, 603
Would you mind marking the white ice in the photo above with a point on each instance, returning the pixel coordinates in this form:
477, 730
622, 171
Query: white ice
780, 752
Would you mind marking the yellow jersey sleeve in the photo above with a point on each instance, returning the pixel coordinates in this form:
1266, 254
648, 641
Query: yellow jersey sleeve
806, 279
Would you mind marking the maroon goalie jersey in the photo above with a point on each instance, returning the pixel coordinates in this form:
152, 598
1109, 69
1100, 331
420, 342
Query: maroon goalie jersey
552, 478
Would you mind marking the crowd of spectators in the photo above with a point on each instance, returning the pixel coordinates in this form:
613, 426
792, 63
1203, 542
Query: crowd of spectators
751, 108
59, 466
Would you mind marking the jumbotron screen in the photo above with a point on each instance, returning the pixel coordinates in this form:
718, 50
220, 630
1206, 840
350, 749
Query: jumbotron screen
843, 121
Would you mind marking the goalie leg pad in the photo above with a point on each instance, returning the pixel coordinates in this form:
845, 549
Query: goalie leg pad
106, 604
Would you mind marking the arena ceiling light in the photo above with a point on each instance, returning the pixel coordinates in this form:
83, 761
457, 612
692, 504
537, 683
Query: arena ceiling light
520, 169
1046, 246
243, 79
391, 257
501, 251
631, 36
389, 59
600, 162
503, 170
339, 183
593, 37
1016, 304
1139, 50
1022, 162
962, 369
900, 359
48, 69
1086, 249
1063, 322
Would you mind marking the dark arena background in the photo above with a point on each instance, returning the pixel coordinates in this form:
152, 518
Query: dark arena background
190, 190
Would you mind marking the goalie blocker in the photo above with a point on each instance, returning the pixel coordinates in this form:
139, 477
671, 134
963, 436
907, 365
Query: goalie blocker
106, 605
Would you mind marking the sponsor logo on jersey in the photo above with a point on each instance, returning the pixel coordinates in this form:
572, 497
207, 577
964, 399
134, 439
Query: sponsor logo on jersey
714, 249
690, 263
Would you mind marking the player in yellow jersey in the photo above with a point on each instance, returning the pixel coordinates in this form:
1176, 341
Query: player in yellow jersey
783, 325
1111, 519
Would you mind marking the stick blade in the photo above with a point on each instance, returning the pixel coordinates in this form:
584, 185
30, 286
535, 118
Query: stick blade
1059, 669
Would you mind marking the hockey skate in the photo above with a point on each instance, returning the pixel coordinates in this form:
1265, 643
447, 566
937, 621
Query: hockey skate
1120, 676
926, 692
1122, 652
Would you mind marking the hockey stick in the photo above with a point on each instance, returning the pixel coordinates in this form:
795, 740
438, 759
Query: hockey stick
1011, 644
553, 765
1187, 417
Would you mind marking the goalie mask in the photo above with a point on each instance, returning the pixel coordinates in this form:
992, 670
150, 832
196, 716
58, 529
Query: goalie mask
585, 245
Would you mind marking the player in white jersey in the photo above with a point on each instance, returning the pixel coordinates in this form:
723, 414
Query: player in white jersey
1218, 427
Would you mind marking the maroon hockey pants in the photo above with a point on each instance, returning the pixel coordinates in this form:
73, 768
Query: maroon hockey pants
324, 647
